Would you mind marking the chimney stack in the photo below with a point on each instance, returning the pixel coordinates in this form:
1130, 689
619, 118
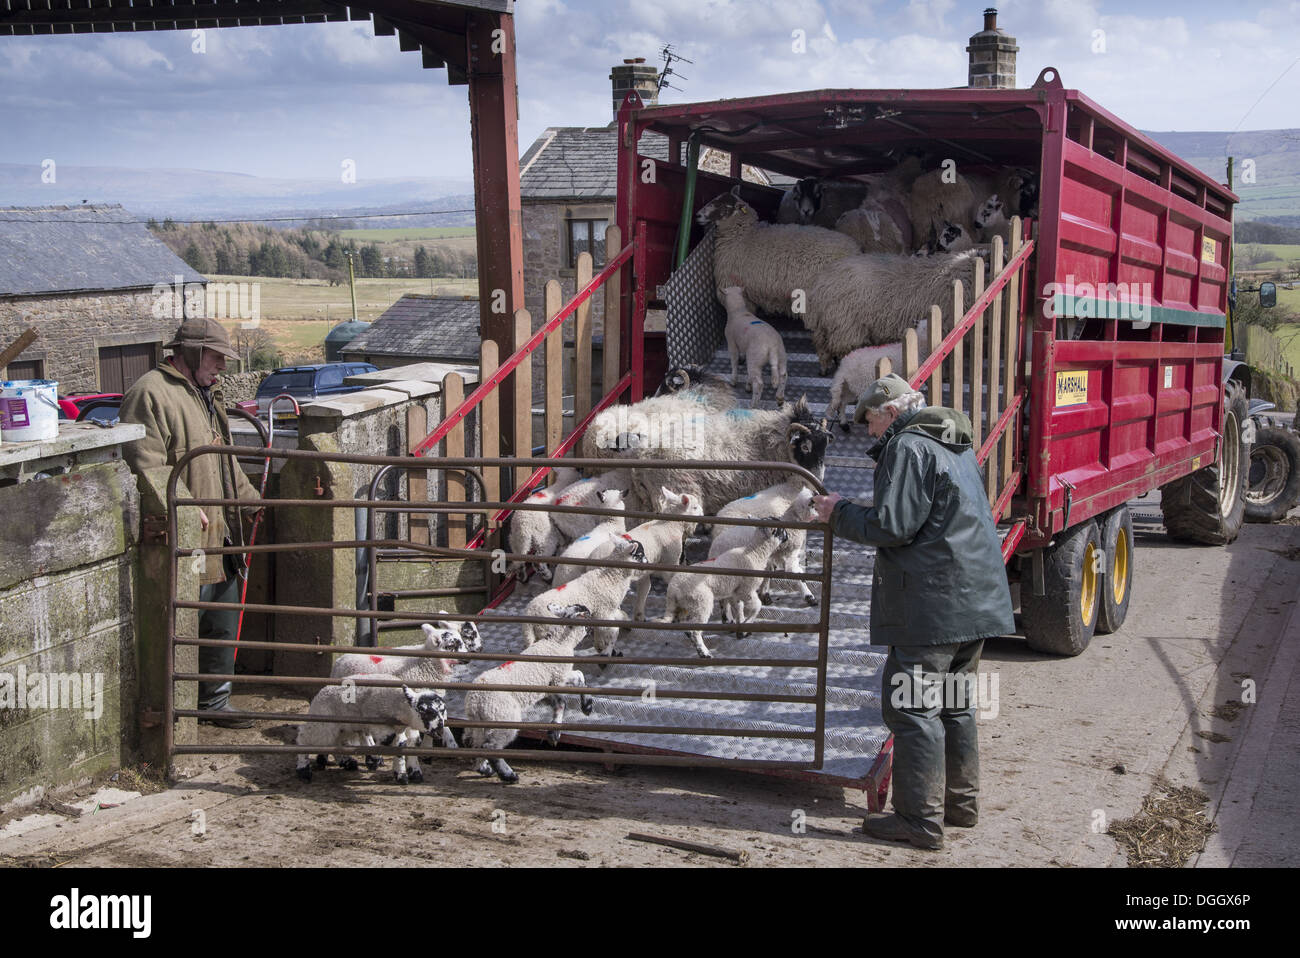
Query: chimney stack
992, 56
635, 74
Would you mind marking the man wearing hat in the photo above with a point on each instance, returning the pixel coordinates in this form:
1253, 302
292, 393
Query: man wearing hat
181, 410
939, 590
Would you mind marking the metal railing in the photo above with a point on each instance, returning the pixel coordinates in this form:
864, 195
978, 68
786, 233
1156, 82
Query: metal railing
815, 699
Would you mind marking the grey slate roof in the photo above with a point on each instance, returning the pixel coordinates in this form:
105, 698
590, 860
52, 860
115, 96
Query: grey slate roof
581, 162
423, 327
64, 249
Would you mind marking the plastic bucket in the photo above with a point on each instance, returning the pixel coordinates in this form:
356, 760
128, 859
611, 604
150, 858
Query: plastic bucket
29, 410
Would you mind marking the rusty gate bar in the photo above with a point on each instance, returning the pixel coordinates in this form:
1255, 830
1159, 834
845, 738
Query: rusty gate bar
372, 551
816, 697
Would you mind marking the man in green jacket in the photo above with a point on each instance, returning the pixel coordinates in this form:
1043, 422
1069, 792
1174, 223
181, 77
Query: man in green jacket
181, 409
939, 590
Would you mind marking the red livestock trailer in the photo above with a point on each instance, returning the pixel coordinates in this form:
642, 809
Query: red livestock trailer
1091, 362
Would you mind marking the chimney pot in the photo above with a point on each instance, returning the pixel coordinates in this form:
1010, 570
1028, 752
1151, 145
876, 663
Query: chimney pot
991, 18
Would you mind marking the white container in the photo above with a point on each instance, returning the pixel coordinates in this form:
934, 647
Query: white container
29, 410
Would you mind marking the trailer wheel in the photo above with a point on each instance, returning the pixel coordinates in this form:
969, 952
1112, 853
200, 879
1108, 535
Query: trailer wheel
1209, 506
1117, 589
1273, 481
1062, 621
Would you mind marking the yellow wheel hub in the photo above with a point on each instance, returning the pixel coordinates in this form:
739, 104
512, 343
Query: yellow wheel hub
1088, 594
1119, 585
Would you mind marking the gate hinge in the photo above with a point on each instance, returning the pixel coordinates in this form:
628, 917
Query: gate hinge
154, 529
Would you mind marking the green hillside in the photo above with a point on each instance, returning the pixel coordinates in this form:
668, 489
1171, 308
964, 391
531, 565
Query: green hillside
1275, 154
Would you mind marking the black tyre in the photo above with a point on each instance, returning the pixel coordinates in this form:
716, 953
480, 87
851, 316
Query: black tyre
1062, 622
1273, 480
1117, 587
1209, 506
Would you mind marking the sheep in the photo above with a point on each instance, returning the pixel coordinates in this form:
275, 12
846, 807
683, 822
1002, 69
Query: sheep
871, 299
597, 492
799, 202
663, 540
857, 371
600, 589
757, 341
789, 557
404, 714
938, 199
484, 705
738, 435
837, 197
532, 532
874, 230
692, 595
583, 547
698, 383
771, 261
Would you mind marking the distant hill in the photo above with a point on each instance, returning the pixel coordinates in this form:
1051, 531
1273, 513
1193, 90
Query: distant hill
204, 194
1275, 194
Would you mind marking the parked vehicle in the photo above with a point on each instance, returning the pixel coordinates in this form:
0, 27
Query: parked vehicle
1117, 362
306, 383
71, 407
1273, 479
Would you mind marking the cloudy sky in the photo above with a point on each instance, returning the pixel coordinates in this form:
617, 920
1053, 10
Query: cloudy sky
296, 101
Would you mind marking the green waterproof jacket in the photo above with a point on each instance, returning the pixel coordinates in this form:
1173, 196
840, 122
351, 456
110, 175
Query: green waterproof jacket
177, 418
939, 575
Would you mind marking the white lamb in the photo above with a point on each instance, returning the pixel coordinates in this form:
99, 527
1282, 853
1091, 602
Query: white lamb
758, 342
601, 590
691, 595
771, 261
586, 547
485, 705
792, 502
532, 532
401, 713
857, 371
605, 491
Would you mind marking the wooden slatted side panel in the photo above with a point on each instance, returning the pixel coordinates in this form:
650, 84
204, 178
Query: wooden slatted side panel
554, 369
417, 480
489, 425
1010, 344
993, 485
582, 344
453, 394
936, 337
523, 375
977, 360
613, 293
957, 359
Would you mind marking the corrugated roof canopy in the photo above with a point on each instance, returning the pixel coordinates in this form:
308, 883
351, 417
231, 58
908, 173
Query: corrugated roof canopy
437, 28
63, 249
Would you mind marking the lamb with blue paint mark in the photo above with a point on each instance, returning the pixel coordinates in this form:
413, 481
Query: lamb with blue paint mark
758, 342
790, 556
601, 590
587, 546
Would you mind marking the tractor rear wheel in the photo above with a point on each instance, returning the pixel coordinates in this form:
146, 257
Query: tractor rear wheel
1063, 620
1209, 505
1273, 479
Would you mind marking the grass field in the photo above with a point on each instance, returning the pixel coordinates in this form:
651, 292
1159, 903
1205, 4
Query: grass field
297, 313
1283, 255
404, 234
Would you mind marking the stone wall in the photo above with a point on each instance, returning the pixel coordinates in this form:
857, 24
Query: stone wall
544, 225
68, 677
238, 387
74, 326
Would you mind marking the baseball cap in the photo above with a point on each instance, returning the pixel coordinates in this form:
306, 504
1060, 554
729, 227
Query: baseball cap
883, 390
207, 333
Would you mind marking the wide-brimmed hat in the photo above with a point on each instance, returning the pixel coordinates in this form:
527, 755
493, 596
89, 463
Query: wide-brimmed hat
207, 333
883, 390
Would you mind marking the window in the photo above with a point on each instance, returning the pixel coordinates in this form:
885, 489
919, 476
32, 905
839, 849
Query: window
330, 377
587, 236
27, 369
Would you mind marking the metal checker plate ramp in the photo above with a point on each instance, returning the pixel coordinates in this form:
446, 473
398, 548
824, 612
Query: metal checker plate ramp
855, 731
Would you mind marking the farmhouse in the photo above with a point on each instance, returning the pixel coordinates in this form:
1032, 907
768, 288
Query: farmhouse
96, 286
420, 328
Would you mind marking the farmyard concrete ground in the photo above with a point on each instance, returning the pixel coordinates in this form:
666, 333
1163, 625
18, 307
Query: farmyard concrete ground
1203, 620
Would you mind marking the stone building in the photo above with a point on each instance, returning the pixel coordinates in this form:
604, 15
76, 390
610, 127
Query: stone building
96, 286
420, 328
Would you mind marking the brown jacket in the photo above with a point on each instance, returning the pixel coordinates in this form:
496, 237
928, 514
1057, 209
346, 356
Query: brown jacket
176, 420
